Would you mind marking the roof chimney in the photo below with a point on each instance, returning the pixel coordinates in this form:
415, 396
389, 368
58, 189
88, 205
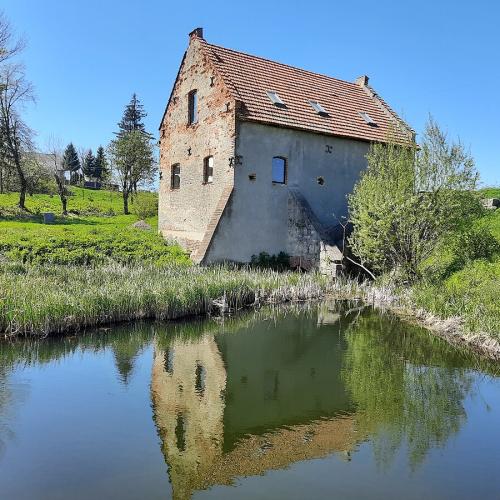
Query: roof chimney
362, 81
196, 33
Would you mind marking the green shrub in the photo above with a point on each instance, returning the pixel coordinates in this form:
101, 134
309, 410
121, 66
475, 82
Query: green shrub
475, 243
82, 244
460, 249
145, 207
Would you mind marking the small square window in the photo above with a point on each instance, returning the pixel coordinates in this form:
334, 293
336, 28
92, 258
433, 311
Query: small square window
208, 170
175, 177
279, 173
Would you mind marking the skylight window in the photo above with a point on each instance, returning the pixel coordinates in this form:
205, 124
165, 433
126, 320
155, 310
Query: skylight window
318, 108
367, 118
275, 98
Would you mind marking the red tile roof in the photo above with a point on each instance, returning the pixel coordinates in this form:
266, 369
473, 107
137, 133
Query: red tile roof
250, 77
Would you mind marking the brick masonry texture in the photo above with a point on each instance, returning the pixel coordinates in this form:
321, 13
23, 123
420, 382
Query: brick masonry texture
185, 213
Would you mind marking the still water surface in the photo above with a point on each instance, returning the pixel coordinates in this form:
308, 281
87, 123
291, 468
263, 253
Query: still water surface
315, 402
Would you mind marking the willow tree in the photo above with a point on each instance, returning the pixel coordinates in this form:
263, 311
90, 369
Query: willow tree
409, 198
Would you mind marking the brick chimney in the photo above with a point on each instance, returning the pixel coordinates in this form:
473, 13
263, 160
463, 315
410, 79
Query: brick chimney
196, 33
362, 81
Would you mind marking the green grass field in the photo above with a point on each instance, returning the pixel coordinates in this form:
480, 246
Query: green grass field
83, 202
92, 233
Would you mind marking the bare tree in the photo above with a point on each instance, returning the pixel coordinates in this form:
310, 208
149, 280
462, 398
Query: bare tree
15, 92
9, 44
55, 152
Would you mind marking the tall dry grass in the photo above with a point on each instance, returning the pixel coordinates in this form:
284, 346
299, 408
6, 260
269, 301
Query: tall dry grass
50, 299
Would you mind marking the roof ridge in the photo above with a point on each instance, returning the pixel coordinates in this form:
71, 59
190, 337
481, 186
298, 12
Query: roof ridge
283, 64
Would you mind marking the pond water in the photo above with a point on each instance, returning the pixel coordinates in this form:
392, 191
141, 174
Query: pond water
322, 401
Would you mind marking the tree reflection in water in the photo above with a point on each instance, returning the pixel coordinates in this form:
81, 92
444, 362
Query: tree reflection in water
408, 387
284, 386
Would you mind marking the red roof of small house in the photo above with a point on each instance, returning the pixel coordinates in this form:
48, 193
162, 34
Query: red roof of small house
249, 78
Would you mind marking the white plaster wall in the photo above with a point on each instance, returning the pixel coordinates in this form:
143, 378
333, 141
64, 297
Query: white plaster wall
256, 218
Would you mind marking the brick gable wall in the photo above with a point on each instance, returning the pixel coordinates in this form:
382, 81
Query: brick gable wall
186, 213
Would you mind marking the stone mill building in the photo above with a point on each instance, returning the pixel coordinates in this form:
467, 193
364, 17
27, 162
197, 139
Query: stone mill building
258, 156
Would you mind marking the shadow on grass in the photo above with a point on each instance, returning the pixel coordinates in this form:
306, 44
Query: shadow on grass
59, 220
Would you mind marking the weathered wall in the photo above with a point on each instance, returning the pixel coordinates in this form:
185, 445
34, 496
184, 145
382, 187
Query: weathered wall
186, 212
257, 218
185, 414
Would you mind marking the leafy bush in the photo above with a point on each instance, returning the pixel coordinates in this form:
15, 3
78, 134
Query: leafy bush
87, 241
475, 243
280, 262
145, 207
457, 251
409, 199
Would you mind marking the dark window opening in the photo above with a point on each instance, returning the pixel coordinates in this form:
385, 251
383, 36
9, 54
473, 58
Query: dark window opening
208, 170
180, 433
175, 178
168, 361
279, 168
192, 107
200, 376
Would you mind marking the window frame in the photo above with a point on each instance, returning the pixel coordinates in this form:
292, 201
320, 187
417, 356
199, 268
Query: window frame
193, 107
208, 178
174, 186
285, 170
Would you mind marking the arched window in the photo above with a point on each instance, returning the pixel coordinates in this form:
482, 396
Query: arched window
208, 170
279, 173
175, 176
192, 107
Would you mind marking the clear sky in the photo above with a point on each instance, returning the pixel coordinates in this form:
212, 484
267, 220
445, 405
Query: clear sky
86, 57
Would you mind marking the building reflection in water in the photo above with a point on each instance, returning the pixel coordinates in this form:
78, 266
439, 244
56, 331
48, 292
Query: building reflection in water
187, 388
242, 403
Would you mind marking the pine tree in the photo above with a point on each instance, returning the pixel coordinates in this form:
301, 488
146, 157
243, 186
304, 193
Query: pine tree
71, 162
132, 117
89, 165
101, 170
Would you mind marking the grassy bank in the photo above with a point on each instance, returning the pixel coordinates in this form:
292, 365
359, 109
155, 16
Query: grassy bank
92, 233
51, 299
86, 240
462, 278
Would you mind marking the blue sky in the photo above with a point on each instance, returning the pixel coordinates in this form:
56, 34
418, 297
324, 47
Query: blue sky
86, 58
